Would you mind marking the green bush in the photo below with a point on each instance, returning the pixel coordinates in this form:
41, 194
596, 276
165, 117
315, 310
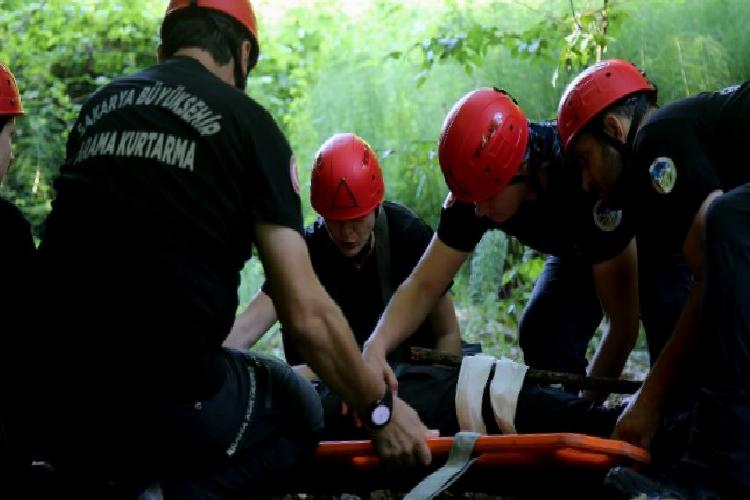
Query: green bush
389, 71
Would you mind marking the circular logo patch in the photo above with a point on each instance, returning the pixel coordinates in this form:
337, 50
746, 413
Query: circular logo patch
663, 174
606, 218
293, 174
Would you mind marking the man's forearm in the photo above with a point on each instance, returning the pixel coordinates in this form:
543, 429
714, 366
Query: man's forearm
450, 344
329, 348
669, 367
253, 323
407, 309
610, 357
416, 297
616, 282
445, 326
613, 351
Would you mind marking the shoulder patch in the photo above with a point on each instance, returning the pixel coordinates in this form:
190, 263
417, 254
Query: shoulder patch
449, 200
663, 174
607, 219
293, 174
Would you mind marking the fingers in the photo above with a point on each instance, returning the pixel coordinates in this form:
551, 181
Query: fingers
423, 453
402, 441
632, 433
417, 455
390, 378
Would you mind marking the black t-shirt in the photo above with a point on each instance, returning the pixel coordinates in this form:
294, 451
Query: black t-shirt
684, 151
358, 291
18, 270
564, 220
16, 285
166, 173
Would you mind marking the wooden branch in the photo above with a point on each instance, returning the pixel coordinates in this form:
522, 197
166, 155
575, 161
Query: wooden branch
575, 18
420, 355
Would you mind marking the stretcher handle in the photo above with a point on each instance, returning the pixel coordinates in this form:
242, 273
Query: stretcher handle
498, 444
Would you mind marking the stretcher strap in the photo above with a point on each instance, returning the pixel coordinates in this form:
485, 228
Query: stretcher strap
459, 460
475, 370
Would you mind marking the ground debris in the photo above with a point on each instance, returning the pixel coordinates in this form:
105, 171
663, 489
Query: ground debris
390, 495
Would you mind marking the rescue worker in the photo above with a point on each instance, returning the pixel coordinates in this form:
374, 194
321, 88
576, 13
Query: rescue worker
506, 173
346, 244
682, 171
361, 249
171, 175
17, 254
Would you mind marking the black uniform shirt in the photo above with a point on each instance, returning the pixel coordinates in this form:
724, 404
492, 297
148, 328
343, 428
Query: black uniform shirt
17, 260
564, 220
686, 150
358, 292
166, 173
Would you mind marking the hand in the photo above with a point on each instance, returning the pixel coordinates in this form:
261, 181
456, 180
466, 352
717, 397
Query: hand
374, 357
402, 441
638, 422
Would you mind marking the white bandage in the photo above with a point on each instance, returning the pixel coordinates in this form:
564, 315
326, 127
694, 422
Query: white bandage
504, 390
475, 370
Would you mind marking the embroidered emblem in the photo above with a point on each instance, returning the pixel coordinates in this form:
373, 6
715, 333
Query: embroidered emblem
663, 174
606, 218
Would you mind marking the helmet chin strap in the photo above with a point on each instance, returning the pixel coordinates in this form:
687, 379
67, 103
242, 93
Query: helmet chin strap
240, 80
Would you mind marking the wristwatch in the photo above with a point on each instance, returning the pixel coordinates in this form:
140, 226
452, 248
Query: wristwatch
380, 412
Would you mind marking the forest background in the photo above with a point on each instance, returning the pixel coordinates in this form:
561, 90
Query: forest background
387, 70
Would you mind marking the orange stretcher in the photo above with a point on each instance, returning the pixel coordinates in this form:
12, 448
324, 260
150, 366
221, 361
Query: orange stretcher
521, 466
564, 449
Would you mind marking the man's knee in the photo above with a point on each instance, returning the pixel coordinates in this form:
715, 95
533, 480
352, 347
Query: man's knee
295, 394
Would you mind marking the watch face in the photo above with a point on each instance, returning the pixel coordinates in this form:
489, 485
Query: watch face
380, 415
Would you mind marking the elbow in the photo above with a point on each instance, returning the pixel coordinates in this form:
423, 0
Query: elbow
424, 287
306, 327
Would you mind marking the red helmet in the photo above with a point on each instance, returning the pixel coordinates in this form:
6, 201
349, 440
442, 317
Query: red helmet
592, 91
10, 98
239, 10
347, 182
482, 144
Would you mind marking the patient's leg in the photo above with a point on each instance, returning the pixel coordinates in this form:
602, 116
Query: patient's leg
431, 391
547, 409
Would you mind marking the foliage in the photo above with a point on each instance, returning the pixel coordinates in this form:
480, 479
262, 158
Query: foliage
386, 69
574, 38
66, 51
